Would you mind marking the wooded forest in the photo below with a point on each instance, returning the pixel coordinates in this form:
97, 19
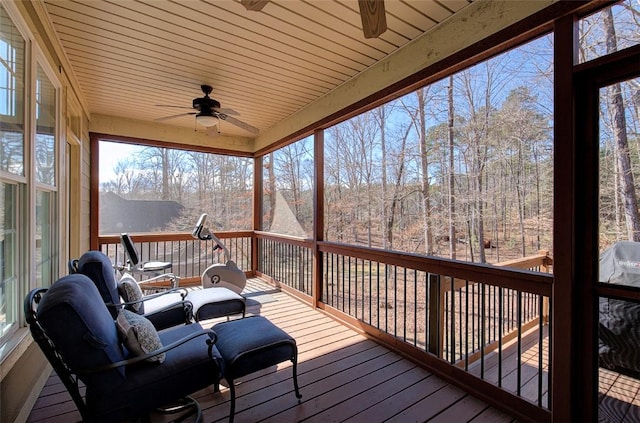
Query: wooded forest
461, 168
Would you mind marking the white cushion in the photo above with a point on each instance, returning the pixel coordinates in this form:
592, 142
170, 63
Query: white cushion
161, 301
155, 265
201, 297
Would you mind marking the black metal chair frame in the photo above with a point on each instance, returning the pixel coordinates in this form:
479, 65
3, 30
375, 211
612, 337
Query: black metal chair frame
70, 378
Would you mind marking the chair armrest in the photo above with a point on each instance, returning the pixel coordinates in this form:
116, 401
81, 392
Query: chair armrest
187, 307
175, 280
212, 338
183, 293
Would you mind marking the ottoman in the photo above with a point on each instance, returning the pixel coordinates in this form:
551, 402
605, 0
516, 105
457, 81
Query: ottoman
213, 302
251, 344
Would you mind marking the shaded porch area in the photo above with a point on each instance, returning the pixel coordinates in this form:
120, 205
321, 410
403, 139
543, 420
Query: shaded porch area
343, 376
346, 376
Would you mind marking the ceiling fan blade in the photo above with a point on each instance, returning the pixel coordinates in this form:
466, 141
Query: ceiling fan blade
173, 116
374, 20
239, 124
226, 111
254, 5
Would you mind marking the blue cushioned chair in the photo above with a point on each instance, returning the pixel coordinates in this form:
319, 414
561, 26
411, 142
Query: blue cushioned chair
165, 309
78, 335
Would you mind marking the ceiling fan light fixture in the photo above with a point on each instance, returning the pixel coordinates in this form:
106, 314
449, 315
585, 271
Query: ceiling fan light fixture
207, 120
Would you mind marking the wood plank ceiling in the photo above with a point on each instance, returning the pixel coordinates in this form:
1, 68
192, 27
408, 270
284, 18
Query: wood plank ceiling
130, 56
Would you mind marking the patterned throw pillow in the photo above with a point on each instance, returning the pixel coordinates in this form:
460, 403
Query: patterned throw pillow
130, 292
138, 335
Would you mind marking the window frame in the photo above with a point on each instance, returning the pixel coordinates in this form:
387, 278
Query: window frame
27, 187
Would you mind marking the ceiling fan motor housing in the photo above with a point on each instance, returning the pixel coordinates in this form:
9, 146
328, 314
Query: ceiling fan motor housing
205, 103
209, 108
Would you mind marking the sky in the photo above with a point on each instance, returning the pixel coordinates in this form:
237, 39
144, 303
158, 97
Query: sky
110, 154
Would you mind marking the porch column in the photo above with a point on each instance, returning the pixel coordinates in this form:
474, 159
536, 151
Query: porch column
257, 211
318, 214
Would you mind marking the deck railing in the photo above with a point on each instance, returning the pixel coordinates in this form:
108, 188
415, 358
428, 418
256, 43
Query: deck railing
189, 257
289, 261
486, 322
483, 319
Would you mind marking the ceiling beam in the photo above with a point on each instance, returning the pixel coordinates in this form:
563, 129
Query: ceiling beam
124, 127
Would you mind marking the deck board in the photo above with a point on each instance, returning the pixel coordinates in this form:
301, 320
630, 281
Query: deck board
619, 397
430, 406
346, 377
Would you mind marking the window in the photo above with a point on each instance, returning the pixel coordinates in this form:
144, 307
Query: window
12, 49
461, 168
610, 29
288, 190
46, 258
8, 98
45, 129
147, 189
29, 238
9, 306
12, 183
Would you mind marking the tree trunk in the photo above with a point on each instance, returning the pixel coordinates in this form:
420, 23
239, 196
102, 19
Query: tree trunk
424, 159
387, 226
452, 205
620, 135
164, 154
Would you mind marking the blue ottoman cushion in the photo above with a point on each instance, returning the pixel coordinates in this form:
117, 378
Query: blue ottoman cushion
251, 344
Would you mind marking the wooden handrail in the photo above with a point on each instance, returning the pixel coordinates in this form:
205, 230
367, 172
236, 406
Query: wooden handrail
512, 278
542, 259
168, 236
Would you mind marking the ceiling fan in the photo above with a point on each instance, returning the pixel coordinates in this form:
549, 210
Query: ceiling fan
374, 21
209, 113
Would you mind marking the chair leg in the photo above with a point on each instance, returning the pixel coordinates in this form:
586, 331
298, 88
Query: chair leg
295, 376
187, 406
232, 409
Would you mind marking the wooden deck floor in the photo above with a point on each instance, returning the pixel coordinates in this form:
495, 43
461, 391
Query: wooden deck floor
619, 397
343, 376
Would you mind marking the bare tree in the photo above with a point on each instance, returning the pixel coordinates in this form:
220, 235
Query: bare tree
616, 104
451, 170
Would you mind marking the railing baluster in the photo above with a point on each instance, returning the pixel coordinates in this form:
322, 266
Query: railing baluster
540, 342
461, 319
500, 313
519, 357
415, 307
481, 326
378, 293
549, 355
395, 300
452, 329
386, 298
370, 289
336, 277
349, 285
